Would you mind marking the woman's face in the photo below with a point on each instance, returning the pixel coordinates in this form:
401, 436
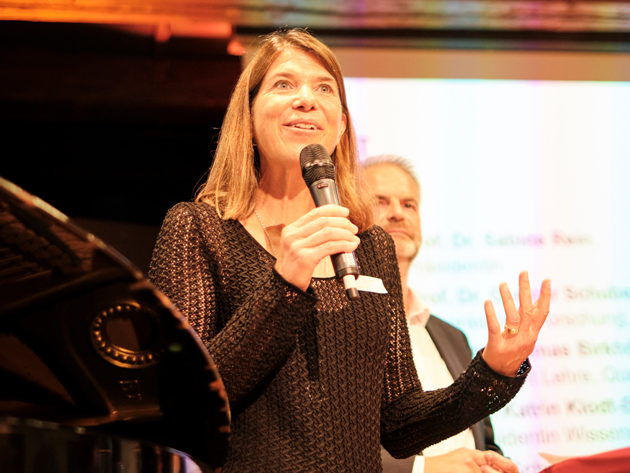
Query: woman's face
297, 105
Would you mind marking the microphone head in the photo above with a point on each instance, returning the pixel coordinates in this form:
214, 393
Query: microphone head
316, 164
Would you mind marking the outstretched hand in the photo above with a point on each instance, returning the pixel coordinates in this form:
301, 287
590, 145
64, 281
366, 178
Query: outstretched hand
507, 349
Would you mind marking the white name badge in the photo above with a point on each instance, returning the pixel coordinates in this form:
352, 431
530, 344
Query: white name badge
370, 284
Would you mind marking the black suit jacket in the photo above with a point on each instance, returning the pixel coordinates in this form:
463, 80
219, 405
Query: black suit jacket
454, 349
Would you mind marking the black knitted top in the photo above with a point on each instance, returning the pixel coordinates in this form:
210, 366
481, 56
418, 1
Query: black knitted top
315, 381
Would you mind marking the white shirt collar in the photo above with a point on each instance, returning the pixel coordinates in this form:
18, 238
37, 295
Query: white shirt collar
418, 310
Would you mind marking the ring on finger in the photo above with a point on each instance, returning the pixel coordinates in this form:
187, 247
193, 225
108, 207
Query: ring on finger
511, 331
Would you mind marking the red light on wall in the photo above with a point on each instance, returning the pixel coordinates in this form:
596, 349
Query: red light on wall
235, 48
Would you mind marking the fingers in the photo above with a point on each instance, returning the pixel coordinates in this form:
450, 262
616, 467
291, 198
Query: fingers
489, 469
526, 308
330, 241
524, 291
494, 327
323, 211
461, 460
506, 350
494, 336
322, 220
321, 232
335, 234
326, 230
500, 463
545, 297
512, 316
542, 304
323, 223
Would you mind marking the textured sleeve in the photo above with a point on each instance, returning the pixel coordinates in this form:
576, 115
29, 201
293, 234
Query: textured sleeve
413, 419
486, 425
449, 339
247, 340
418, 420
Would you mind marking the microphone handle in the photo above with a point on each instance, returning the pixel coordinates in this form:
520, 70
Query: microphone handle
324, 191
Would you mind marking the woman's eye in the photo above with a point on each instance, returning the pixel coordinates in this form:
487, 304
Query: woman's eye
326, 88
282, 85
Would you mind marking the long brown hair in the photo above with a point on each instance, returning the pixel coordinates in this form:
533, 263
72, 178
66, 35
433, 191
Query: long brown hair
235, 173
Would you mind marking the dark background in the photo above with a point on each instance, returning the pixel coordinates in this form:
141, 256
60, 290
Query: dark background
111, 128
114, 124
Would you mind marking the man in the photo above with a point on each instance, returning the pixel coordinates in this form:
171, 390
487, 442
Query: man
440, 351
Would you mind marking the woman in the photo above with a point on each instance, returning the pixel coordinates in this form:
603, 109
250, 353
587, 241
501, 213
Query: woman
315, 381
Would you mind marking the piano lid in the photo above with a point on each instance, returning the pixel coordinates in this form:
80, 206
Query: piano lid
87, 341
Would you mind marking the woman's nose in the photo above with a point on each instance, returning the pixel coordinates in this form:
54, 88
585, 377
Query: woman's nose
305, 99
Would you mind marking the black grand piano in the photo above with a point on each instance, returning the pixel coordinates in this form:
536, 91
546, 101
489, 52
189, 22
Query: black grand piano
99, 372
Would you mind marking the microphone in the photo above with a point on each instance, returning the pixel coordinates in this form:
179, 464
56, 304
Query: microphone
318, 172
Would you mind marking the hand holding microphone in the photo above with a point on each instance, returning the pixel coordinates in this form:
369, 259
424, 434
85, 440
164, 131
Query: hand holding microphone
318, 172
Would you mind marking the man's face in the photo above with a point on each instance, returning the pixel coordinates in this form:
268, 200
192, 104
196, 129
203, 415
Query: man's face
398, 207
